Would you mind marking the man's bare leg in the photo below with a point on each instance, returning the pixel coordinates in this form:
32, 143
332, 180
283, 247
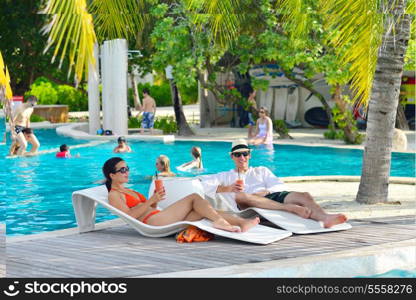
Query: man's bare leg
21, 140
250, 200
35, 143
317, 213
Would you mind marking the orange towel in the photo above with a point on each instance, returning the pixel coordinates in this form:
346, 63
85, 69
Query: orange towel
193, 234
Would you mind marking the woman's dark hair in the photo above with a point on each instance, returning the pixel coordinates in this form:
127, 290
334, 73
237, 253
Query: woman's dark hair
146, 91
109, 167
63, 148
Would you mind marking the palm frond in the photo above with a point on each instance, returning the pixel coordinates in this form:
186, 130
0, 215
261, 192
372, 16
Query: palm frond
2, 75
71, 30
295, 16
8, 94
358, 25
222, 17
118, 18
5, 80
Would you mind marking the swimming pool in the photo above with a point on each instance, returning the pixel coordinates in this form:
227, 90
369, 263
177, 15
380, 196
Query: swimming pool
35, 192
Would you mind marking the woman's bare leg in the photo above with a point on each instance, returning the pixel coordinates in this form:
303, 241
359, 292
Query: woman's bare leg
244, 224
179, 211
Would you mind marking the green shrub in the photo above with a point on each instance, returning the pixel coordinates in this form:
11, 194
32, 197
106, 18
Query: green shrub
189, 95
166, 124
280, 127
44, 91
161, 93
135, 122
74, 98
35, 118
49, 93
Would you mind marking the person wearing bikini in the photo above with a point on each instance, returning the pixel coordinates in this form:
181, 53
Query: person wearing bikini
190, 208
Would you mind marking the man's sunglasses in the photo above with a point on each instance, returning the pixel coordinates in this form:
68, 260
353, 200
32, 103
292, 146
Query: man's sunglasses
122, 170
238, 154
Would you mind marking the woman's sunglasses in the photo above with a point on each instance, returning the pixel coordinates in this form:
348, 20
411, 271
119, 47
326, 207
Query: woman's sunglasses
122, 170
238, 154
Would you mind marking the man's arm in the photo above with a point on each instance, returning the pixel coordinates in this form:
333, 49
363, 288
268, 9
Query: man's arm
271, 181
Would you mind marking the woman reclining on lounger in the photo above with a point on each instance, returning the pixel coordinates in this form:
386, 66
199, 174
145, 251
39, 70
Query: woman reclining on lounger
190, 208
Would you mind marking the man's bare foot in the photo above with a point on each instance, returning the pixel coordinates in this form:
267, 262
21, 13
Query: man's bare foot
301, 211
224, 225
246, 224
334, 219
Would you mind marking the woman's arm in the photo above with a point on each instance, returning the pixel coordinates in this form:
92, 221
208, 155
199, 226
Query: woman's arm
269, 129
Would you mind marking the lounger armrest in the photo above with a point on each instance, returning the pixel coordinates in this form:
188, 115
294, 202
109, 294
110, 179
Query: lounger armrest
84, 209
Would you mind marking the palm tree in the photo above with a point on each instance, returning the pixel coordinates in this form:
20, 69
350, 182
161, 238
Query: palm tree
383, 106
378, 32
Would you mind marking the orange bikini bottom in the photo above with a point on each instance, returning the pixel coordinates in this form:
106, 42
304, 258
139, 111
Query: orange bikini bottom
149, 215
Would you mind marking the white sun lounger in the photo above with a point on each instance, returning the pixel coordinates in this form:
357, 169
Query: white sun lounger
85, 201
177, 188
286, 220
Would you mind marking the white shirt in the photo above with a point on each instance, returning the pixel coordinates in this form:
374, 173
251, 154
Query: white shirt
256, 179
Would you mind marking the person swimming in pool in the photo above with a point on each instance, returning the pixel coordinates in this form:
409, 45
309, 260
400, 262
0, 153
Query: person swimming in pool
194, 164
122, 145
163, 166
190, 208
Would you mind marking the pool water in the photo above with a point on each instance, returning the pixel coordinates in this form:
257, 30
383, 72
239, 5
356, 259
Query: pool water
35, 192
396, 273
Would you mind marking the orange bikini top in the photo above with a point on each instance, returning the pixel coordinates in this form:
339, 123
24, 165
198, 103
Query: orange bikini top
130, 199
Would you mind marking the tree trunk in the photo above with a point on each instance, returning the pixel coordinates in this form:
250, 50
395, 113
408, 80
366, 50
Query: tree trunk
382, 108
349, 133
401, 121
136, 97
183, 126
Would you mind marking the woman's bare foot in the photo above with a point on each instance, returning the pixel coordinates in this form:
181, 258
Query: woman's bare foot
301, 211
224, 225
246, 224
334, 219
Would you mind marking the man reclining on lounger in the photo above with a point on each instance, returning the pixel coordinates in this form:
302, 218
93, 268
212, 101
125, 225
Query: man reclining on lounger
261, 188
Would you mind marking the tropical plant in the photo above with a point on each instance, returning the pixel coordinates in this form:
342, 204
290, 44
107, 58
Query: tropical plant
50, 93
73, 25
36, 118
22, 45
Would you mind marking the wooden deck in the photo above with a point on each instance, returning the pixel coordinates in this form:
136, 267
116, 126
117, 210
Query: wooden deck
122, 252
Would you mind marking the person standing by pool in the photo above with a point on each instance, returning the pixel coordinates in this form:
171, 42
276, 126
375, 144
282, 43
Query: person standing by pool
122, 146
163, 166
149, 111
20, 121
264, 129
253, 106
262, 189
194, 164
190, 208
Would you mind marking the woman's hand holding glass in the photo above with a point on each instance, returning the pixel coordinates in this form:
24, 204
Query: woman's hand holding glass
158, 196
